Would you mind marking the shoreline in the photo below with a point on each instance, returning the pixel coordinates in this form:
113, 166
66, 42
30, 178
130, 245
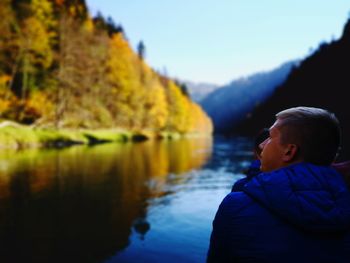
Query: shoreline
18, 136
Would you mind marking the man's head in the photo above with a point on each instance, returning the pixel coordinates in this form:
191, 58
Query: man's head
301, 134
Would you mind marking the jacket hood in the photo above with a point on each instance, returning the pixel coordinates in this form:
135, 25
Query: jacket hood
312, 197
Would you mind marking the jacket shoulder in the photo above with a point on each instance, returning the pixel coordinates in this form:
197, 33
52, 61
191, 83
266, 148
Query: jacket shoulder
235, 202
233, 209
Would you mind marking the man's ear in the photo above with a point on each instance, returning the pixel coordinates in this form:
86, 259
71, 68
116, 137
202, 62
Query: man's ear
290, 153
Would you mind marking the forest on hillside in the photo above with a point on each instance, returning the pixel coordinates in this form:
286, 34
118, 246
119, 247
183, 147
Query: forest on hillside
320, 80
62, 68
247, 93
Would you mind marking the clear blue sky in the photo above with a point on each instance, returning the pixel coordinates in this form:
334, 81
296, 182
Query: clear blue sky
217, 41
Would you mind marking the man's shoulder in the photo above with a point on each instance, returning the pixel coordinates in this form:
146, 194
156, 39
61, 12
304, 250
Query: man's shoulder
236, 201
240, 196
235, 196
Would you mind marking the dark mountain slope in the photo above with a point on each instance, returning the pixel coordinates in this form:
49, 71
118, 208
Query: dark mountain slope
321, 80
231, 103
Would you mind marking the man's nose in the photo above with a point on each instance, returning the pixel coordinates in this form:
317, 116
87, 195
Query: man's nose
262, 145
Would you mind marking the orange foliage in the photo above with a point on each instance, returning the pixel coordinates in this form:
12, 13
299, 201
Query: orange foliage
39, 103
59, 2
94, 78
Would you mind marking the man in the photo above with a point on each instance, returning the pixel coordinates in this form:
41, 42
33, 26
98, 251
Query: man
298, 208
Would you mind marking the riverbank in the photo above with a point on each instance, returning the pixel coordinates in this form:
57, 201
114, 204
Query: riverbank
17, 136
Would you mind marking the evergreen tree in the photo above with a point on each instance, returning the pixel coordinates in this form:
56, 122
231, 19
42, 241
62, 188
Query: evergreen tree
141, 50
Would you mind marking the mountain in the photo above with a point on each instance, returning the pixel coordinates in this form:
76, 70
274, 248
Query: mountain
199, 90
321, 80
230, 104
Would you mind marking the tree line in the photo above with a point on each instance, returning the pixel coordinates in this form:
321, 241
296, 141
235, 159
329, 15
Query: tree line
60, 67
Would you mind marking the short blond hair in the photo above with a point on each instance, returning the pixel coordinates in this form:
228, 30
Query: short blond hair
315, 131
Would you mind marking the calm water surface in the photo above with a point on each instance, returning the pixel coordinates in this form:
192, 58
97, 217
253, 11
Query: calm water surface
143, 202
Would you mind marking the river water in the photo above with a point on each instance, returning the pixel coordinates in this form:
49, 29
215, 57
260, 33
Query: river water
134, 202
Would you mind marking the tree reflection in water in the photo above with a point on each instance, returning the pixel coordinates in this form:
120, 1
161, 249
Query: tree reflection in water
81, 204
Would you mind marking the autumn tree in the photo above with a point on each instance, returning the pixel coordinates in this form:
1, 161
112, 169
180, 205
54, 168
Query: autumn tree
32, 46
70, 70
123, 80
9, 42
82, 73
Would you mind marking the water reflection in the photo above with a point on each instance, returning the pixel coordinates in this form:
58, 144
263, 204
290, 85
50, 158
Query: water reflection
180, 221
81, 204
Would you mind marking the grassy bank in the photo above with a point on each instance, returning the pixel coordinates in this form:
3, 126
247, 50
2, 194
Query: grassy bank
13, 135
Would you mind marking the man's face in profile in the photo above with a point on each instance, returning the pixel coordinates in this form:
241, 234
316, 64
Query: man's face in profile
272, 150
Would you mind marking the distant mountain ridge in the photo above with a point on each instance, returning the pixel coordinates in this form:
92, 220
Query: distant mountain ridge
199, 90
321, 80
231, 103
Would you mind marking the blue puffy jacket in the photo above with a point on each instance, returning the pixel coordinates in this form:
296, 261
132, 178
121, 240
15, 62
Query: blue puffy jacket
253, 170
297, 214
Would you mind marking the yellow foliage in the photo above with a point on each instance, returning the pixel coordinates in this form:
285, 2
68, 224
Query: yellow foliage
157, 107
72, 10
199, 120
4, 80
178, 108
125, 83
43, 11
36, 43
39, 102
88, 25
121, 71
96, 79
4, 105
7, 99
184, 115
